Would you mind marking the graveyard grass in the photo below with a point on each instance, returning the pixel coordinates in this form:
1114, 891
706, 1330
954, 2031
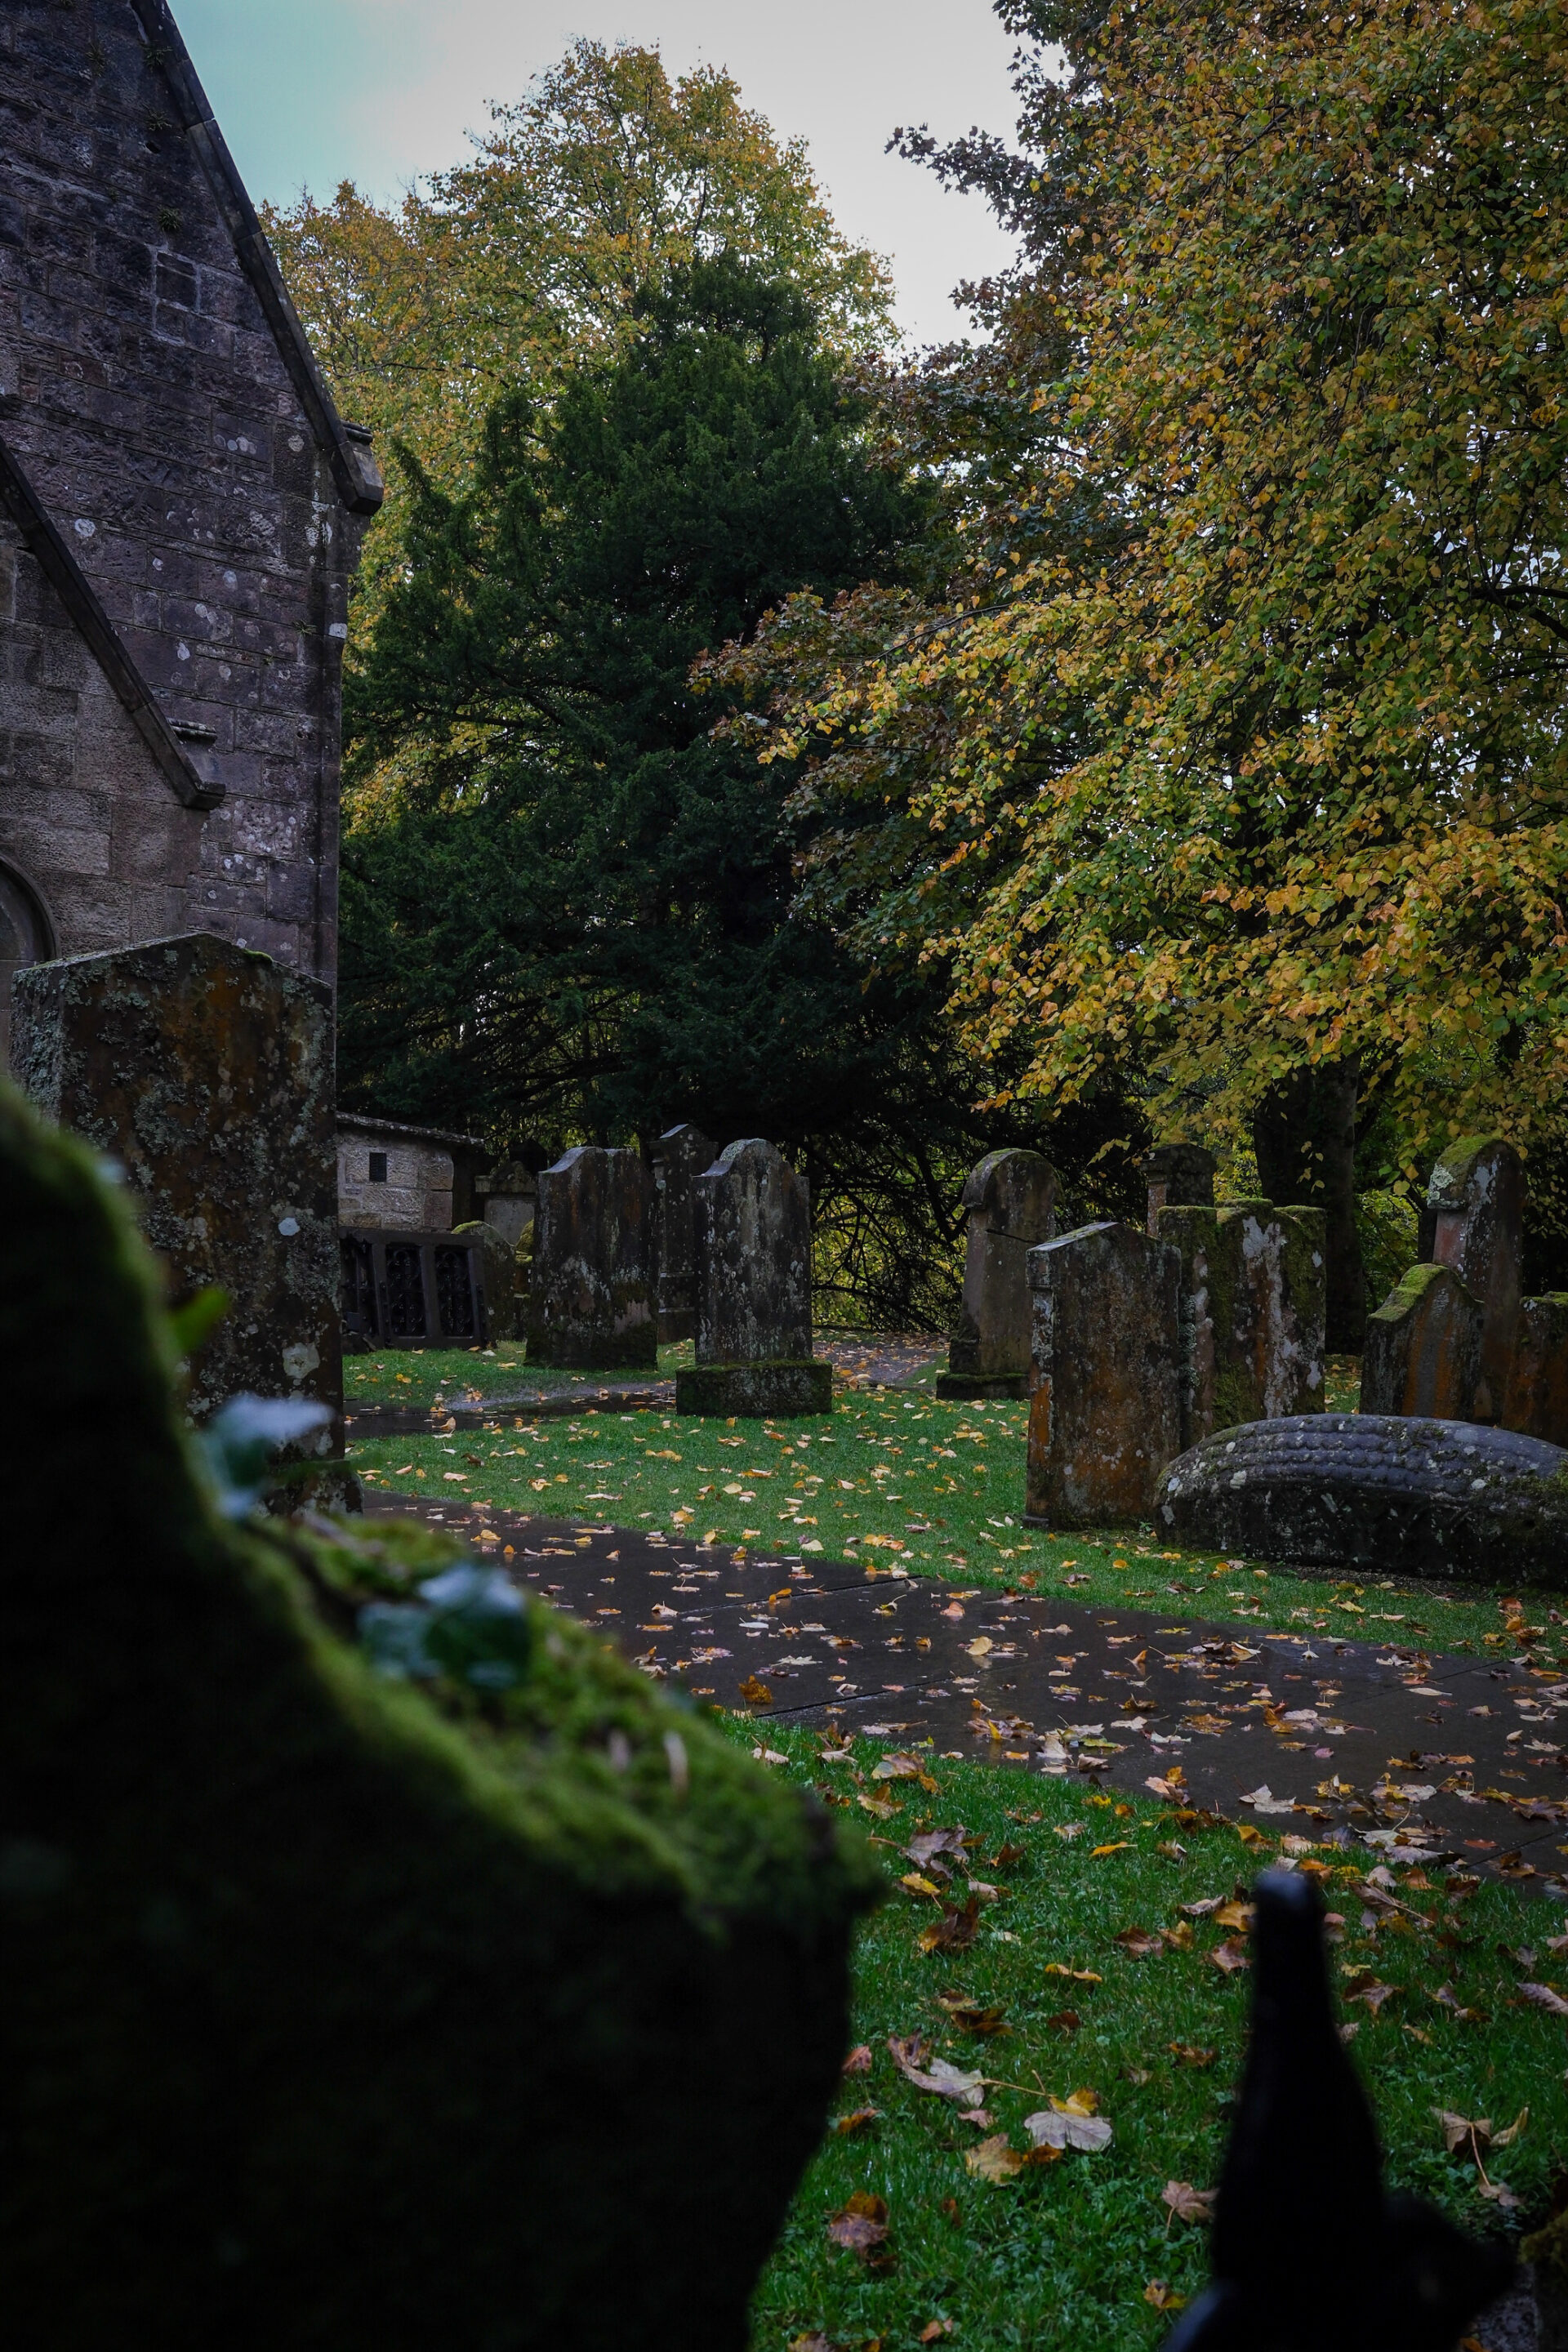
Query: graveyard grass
1064, 2256
956, 1474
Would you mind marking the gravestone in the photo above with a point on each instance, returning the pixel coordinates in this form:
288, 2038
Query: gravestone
1253, 1308
1475, 1205
1011, 1199
753, 1291
1423, 1348
1105, 1414
679, 1156
591, 1304
503, 1297
205, 1073
1536, 1399
1179, 1176
508, 1198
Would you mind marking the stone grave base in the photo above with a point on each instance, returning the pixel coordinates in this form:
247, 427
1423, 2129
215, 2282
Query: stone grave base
1375, 1491
635, 1350
756, 1392
964, 1388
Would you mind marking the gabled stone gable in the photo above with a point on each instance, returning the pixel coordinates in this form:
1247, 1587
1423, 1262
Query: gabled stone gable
160, 399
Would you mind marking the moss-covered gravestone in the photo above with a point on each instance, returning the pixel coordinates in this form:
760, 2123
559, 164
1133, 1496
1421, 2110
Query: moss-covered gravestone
1536, 1398
753, 1291
1011, 1199
1423, 1348
204, 1071
495, 2008
1105, 1413
591, 1306
1475, 1212
1253, 1311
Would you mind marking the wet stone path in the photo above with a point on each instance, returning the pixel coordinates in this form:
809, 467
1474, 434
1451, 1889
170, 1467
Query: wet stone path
1417, 1757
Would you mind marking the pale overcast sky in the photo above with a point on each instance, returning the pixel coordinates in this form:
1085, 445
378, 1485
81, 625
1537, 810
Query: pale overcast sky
310, 92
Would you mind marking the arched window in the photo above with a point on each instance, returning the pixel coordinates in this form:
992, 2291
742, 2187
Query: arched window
25, 938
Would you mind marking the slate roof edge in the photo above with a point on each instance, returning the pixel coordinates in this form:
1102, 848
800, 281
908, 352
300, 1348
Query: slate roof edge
354, 471
367, 1124
65, 576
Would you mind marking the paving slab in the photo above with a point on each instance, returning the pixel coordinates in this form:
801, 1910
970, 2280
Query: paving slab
1414, 1756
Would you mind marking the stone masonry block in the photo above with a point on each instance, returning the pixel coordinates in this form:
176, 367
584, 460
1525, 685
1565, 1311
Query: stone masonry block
205, 1075
1105, 1416
769, 1392
1423, 1348
1011, 1198
593, 1303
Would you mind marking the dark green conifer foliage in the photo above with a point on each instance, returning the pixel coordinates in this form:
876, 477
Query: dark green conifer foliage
575, 917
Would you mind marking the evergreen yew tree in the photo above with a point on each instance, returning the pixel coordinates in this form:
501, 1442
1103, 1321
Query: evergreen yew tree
567, 905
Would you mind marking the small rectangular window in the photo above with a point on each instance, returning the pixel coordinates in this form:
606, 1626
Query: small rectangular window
378, 1166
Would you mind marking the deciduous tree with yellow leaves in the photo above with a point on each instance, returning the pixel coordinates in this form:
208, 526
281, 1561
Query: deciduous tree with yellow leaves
1236, 751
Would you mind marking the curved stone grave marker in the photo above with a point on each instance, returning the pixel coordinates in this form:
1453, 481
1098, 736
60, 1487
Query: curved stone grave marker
753, 1291
1380, 1491
1423, 1348
591, 1306
1011, 1198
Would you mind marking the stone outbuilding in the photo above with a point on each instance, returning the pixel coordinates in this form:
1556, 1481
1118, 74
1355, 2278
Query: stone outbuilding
420, 1177
180, 513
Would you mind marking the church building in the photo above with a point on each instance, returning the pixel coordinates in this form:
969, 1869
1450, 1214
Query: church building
181, 507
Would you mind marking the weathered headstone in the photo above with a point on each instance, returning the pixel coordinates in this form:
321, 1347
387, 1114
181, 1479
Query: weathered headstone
1011, 1198
1475, 1210
205, 1072
592, 1302
753, 1291
1536, 1399
500, 1278
1423, 1350
1253, 1297
679, 1156
1105, 1414
1179, 1176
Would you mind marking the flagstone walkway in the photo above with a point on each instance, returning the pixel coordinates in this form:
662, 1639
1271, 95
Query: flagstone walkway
1417, 1757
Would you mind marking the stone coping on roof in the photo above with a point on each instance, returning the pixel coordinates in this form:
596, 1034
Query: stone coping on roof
364, 1124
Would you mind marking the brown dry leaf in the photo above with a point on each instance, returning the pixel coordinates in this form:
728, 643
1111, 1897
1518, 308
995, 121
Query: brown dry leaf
1371, 1989
1163, 2297
972, 2016
861, 2225
1542, 1995
1248, 1836
1008, 1857
858, 2061
994, 2160
882, 1807
1450, 2001
1230, 1955
1119, 1846
916, 1884
1139, 1945
908, 2050
1189, 2054
755, 1691
934, 2330
931, 1845
1079, 1976
1204, 1910
859, 2119
1065, 2125
903, 1768
1473, 2134
1515, 2130
953, 1930
1187, 2203
1180, 1936
947, 2080
1170, 1787
1233, 1914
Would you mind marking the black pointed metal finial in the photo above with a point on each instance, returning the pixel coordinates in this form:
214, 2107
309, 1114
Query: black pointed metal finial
1310, 2253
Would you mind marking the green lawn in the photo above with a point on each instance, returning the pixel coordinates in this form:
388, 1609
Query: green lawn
409, 1376
938, 1487
1063, 2255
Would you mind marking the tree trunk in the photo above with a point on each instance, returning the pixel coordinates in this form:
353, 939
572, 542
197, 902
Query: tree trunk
1303, 1132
